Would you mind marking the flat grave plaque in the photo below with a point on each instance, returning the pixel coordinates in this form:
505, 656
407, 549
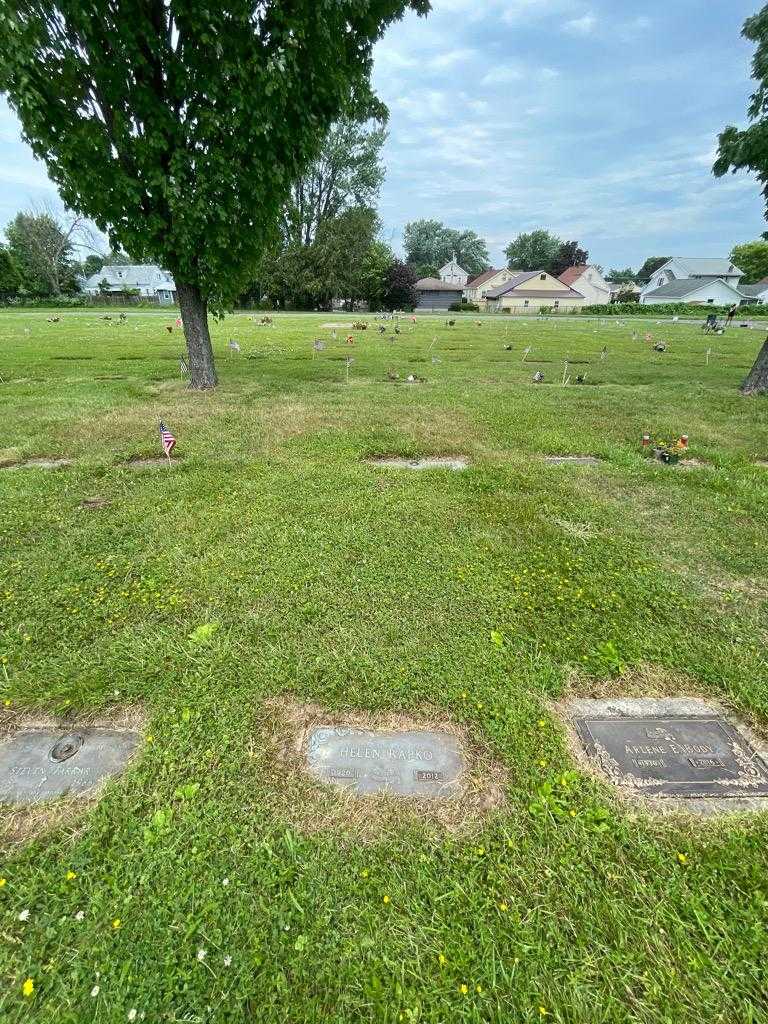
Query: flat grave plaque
417, 764
683, 756
42, 764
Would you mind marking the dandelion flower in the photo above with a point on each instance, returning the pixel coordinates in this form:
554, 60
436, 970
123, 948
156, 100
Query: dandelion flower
116, 923
463, 989
543, 1011
441, 959
28, 987
70, 875
542, 723
479, 989
682, 859
2, 882
503, 907
95, 991
24, 915
201, 954
386, 899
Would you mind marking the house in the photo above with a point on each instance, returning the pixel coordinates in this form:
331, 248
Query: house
587, 280
146, 280
478, 287
703, 281
452, 273
530, 291
435, 294
756, 293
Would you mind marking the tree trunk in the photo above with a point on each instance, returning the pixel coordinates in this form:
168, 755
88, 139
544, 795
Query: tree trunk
757, 378
194, 316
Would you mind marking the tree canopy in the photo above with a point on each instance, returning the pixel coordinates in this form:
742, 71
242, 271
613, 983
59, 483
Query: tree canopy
180, 127
570, 254
650, 266
10, 279
626, 276
347, 172
429, 245
752, 258
535, 250
41, 248
748, 149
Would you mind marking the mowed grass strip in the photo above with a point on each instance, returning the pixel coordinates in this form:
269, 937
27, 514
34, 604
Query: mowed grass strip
200, 884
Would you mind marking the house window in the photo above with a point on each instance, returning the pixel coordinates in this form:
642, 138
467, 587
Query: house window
710, 301
526, 303
557, 303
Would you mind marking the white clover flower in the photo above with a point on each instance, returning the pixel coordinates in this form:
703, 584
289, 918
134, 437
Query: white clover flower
201, 954
24, 915
227, 961
225, 881
80, 915
95, 991
132, 1014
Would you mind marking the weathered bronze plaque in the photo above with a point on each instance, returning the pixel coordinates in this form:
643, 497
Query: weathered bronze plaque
420, 764
40, 764
675, 756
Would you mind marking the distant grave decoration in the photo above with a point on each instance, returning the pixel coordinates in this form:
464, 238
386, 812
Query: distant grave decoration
360, 325
669, 451
680, 752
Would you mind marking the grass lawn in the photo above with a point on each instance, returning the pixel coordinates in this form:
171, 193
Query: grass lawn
477, 597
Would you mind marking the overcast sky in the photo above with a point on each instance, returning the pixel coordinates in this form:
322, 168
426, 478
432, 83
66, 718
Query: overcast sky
594, 118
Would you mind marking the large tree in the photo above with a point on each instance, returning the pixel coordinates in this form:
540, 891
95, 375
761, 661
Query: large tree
400, 291
650, 266
347, 172
10, 279
429, 245
534, 250
747, 149
568, 255
180, 126
752, 258
41, 245
626, 276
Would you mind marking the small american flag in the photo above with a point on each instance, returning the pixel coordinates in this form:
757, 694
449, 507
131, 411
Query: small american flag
167, 440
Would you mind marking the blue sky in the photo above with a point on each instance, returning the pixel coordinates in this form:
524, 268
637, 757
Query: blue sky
594, 118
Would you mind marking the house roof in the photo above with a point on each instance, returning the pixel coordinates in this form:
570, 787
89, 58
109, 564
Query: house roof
131, 275
451, 264
753, 290
707, 267
515, 282
431, 284
482, 278
679, 289
573, 274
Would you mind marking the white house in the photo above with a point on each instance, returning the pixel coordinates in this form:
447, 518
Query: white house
589, 282
148, 280
529, 292
704, 281
453, 274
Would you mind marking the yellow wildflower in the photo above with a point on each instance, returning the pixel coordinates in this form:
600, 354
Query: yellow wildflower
116, 923
503, 907
70, 875
28, 987
2, 882
682, 859
442, 960
386, 899
463, 989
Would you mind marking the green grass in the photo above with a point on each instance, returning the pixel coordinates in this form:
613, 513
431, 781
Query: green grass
339, 584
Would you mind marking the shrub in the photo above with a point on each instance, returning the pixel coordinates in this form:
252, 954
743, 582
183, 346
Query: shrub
688, 310
545, 310
463, 307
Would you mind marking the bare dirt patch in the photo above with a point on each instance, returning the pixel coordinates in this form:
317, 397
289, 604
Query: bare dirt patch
19, 823
572, 460
93, 504
36, 464
154, 462
314, 807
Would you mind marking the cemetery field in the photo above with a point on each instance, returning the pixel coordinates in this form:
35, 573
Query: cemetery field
272, 576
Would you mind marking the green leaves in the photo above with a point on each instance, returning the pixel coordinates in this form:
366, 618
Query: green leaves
202, 635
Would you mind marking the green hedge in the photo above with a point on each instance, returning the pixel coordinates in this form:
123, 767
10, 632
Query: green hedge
463, 307
670, 309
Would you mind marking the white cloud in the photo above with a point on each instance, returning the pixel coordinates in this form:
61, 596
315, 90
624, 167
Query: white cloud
583, 26
449, 59
502, 73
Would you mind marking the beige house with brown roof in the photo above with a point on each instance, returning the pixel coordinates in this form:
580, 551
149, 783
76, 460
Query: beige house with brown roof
476, 289
529, 292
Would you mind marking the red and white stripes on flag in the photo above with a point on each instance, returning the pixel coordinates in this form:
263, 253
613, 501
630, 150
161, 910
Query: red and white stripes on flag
167, 440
